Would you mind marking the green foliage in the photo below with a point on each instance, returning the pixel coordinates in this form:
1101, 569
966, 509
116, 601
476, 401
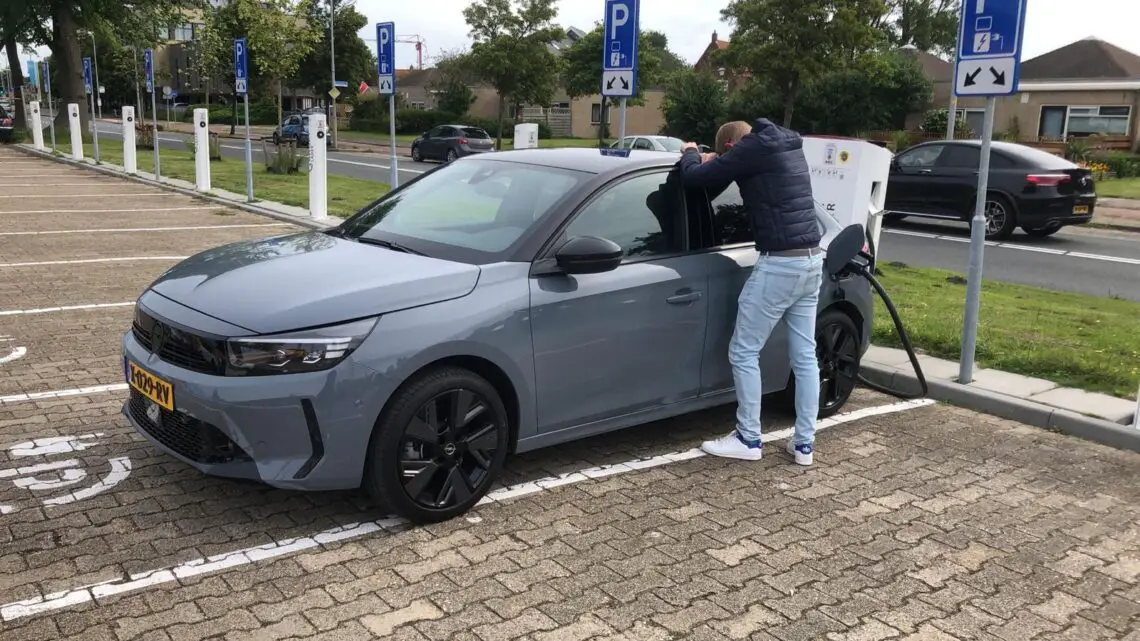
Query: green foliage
901, 140
1121, 164
1077, 150
260, 113
455, 75
508, 130
928, 25
279, 38
936, 120
790, 43
582, 61
283, 158
373, 116
694, 106
354, 59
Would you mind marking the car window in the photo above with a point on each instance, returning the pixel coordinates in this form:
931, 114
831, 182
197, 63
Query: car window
961, 156
730, 220
1040, 159
671, 144
626, 143
435, 133
480, 206
475, 132
920, 156
645, 215
642, 143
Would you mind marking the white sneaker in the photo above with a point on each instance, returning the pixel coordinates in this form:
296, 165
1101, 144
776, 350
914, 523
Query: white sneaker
802, 453
732, 446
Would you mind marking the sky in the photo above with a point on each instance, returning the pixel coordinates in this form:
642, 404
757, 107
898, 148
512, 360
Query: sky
689, 25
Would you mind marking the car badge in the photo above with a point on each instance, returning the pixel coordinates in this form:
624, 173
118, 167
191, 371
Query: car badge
158, 335
153, 412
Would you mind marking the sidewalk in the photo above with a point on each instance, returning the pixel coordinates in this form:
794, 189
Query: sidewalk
1118, 213
1034, 401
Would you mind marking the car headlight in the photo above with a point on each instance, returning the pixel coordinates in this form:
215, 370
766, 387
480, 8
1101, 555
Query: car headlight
310, 350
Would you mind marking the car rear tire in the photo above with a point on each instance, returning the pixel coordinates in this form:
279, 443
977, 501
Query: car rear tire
1001, 219
452, 156
438, 446
416, 155
837, 350
1041, 232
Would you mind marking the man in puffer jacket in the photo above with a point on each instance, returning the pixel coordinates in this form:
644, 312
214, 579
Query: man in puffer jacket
767, 163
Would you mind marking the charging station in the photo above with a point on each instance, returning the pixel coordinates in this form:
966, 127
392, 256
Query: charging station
849, 180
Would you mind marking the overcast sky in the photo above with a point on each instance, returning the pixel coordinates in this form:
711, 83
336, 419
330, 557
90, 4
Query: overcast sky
689, 25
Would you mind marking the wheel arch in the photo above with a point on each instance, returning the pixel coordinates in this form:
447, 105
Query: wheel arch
852, 311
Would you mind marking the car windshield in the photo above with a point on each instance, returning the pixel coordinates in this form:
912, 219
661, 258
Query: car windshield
475, 132
480, 207
671, 144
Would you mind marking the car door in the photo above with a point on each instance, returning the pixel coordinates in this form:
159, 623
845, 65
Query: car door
292, 127
430, 145
628, 340
956, 179
912, 179
732, 246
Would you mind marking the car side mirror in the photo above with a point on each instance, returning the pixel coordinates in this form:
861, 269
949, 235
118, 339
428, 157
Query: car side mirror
588, 255
704, 149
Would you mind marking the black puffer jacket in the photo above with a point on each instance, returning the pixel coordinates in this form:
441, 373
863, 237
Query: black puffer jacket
775, 183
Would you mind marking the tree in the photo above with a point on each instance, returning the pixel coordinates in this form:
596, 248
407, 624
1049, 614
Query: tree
510, 50
354, 60
453, 82
791, 42
929, 25
280, 37
694, 106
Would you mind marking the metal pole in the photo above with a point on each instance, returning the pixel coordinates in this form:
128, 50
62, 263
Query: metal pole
138, 92
332, 57
98, 97
395, 179
51, 111
94, 126
952, 113
977, 246
154, 115
248, 153
621, 127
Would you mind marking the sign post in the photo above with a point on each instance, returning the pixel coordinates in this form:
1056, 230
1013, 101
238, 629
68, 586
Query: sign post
988, 64
619, 53
130, 157
318, 168
386, 84
202, 149
37, 126
51, 110
76, 131
148, 71
241, 86
91, 95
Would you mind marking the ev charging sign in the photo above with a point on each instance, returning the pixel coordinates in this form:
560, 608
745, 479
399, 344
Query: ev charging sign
87, 75
619, 56
241, 67
386, 58
148, 69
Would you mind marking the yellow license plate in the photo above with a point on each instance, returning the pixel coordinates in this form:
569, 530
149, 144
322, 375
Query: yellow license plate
152, 387
1081, 209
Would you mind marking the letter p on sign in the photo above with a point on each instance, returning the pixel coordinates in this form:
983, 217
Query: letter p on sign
619, 15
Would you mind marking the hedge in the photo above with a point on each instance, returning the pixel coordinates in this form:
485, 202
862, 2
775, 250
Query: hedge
260, 113
373, 116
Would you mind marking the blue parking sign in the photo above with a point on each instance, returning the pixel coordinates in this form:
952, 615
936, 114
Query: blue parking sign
87, 75
386, 58
241, 66
148, 69
619, 56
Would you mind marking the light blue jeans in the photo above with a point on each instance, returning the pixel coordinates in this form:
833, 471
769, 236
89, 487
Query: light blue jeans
779, 287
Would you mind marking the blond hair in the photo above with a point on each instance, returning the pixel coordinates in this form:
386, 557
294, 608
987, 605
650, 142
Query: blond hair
730, 133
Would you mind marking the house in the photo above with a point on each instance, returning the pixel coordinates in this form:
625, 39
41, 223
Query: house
709, 63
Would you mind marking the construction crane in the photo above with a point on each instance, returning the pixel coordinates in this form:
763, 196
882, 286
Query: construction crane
419, 42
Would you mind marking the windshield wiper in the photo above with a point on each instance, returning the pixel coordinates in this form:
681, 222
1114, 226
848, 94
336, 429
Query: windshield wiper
387, 244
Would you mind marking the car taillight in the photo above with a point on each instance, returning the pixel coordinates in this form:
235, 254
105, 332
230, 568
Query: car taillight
1048, 180
463, 141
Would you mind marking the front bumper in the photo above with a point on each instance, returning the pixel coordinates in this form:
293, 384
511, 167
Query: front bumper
302, 432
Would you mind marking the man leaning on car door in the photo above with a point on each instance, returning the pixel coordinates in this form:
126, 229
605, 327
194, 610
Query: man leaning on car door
767, 162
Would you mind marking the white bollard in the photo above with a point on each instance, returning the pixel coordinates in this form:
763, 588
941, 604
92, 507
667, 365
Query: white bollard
37, 126
318, 169
202, 149
130, 155
76, 131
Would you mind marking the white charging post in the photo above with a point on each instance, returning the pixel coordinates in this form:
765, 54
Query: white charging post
130, 155
526, 135
849, 180
76, 131
202, 149
37, 126
318, 170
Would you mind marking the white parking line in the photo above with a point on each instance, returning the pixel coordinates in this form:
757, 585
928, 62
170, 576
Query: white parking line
248, 556
89, 183
107, 211
112, 195
82, 261
78, 391
68, 308
124, 230
1028, 248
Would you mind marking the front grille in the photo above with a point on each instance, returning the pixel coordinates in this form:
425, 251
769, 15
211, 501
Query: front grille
182, 348
196, 440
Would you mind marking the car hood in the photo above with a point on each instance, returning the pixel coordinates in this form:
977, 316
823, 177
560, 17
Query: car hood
309, 279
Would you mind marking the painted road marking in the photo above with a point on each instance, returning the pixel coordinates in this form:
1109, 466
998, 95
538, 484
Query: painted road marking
50, 476
66, 308
1029, 248
83, 261
351, 162
247, 556
79, 391
111, 195
124, 230
89, 183
106, 211
14, 353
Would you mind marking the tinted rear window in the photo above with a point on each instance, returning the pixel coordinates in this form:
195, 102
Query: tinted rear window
1038, 158
475, 132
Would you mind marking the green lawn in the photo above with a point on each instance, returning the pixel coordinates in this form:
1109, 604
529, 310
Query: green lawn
1074, 340
346, 195
1119, 188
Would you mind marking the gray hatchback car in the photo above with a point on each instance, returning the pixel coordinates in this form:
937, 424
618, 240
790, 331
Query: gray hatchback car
497, 304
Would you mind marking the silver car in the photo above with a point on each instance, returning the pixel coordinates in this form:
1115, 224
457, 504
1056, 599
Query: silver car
497, 304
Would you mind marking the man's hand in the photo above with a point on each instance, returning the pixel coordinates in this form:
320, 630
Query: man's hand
690, 146
707, 157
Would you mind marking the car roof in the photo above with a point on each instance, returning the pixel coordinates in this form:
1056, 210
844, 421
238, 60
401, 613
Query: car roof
588, 159
1021, 152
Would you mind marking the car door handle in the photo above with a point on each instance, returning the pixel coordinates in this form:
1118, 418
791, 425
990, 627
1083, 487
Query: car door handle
683, 296
924, 171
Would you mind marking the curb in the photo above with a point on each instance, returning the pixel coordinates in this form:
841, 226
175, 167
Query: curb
1015, 409
246, 207
1119, 203
1131, 229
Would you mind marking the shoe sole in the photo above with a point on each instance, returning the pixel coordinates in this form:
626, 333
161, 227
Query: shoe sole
732, 456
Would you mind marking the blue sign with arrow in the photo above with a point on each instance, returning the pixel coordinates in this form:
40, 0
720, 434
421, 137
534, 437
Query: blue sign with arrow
386, 58
989, 47
241, 66
87, 75
619, 54
148, 69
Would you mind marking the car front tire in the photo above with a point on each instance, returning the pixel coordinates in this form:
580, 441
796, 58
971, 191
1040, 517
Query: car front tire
438, 446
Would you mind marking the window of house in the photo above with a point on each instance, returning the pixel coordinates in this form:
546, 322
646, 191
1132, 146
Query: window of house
1088, 121
182, 33
644, 215
596, 114
975, 119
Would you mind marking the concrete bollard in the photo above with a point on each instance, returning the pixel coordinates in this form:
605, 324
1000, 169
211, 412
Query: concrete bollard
37, 125
130, 152
318, 167
76, 131
202, 149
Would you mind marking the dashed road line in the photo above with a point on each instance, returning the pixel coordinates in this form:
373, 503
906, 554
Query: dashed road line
248, 556
108, 211
84, 261
1043, 250
111, 195
124, 230
65, 308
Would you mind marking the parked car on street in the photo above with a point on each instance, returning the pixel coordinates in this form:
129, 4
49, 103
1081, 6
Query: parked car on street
1028, 188
649, 143
494, 305
450, 142
295, 127
7, 126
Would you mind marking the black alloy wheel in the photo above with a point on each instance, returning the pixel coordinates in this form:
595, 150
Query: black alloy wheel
1001, 219
837, 349
416, 155
440, 446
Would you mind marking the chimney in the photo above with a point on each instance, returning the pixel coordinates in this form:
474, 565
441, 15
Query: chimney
714, 38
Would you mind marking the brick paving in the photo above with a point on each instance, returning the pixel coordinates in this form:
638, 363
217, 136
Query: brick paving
935, 523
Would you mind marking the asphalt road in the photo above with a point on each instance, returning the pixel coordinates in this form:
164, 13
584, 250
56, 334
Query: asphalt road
1088, 261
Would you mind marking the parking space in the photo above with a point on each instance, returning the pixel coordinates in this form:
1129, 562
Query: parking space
918, 520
